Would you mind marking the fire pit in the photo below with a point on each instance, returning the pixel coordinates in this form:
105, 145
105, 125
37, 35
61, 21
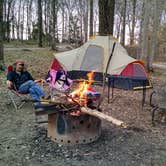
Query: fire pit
70, 129
76, 120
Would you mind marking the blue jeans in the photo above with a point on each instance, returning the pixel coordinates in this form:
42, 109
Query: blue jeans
33, 89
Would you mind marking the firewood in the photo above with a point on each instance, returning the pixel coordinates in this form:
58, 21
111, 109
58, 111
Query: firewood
100, 115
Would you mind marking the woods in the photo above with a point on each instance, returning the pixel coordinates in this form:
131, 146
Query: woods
135, 24
1, 37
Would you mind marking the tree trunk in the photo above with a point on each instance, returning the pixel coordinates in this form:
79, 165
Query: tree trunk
154, 38
81, 29
63, 23
4, 19
124, 24
133, 23
106, 16
8, 22
140, 43
91, 18
86, 22
18, 21
1, 37
22, 22
29, 20
145, 35
13, 22
118, 28
54, 22
40, 29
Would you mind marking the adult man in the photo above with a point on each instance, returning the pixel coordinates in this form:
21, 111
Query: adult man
21, 80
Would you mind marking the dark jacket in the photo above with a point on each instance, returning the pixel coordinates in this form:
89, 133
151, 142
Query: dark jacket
19, 79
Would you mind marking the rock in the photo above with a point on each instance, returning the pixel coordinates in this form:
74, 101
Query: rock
27, 157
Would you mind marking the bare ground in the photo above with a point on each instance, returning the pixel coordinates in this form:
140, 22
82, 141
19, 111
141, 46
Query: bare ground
24, 143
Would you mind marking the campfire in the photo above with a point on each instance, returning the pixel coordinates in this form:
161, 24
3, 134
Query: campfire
76, 119
83, 95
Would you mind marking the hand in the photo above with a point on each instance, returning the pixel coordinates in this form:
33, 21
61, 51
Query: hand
43, 81
40, 81
9, 84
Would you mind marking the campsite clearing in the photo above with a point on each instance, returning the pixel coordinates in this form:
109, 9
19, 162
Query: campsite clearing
23, 142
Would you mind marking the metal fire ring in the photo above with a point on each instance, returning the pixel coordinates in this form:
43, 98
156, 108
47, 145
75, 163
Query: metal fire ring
68, 129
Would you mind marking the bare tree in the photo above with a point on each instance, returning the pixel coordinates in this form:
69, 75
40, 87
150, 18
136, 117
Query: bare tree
29, 18
13, 24
22, 21
124, 23
118, 18
54, 23
85, 18
95, 17
145, 32
91, 18
154, 38
1, 37
106, 16
18, 20
40, 29
62, 6
133, 22
8, 20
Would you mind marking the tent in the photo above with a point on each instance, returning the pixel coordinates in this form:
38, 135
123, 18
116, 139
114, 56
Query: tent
103, 54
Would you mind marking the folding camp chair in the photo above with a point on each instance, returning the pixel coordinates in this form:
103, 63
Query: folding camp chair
58, 82
17, 98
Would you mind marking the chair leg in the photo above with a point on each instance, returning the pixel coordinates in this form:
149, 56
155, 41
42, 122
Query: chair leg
13, 101
21, 105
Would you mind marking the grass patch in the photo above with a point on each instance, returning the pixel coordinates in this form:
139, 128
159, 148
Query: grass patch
21, 44
38, 61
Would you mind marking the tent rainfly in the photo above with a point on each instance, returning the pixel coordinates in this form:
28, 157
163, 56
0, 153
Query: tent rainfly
104, 55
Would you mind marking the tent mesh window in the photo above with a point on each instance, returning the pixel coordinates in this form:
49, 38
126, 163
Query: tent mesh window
93, 59
139, 71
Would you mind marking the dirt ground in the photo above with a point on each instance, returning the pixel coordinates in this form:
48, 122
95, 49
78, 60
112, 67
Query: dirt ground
25, 143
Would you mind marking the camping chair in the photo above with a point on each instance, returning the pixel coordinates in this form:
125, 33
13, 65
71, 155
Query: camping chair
16, 97
58, 82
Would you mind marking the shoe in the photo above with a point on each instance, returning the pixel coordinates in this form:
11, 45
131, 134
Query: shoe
37, 105
48, 97
39, 109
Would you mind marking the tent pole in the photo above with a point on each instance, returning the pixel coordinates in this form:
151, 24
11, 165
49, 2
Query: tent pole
105, 73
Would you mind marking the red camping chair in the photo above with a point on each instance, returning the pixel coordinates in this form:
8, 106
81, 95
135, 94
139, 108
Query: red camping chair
17, 98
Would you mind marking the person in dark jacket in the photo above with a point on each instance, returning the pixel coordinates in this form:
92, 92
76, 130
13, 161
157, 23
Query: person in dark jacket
21, 80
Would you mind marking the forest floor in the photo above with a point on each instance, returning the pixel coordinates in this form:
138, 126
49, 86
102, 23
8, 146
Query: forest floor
25, 143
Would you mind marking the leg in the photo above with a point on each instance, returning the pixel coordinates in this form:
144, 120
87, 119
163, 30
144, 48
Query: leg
33, 94
34, 89
25, 86
39, 91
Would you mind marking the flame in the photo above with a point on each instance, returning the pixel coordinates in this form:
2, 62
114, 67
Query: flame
80, 93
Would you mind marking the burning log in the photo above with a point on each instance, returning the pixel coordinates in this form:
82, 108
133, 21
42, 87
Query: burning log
100, 115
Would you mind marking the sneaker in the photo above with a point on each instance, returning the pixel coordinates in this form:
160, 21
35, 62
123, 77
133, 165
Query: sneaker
37, 104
